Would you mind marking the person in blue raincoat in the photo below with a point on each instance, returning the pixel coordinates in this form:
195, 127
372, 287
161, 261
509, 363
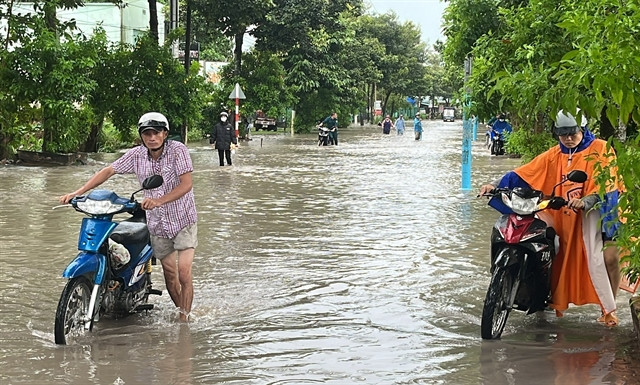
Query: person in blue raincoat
499, 127
417, 127
400, 125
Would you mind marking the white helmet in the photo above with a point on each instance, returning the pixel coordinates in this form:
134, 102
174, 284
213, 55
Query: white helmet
566, 124
152, 121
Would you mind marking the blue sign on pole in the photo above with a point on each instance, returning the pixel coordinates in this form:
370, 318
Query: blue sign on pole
467, 135
467, 130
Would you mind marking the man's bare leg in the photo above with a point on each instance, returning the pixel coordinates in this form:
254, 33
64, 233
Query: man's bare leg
171, 281
185, 261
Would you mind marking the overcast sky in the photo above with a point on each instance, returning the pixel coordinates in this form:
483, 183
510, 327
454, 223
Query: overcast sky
426, 14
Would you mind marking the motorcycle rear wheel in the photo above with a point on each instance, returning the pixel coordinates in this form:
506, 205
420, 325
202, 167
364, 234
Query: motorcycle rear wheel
496, 311
72, 310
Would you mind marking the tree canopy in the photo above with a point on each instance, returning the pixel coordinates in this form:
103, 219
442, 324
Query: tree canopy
58, 87
534, 58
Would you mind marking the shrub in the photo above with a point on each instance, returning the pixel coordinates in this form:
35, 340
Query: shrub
528, 144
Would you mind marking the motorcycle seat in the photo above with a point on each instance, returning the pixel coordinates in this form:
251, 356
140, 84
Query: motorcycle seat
128, 233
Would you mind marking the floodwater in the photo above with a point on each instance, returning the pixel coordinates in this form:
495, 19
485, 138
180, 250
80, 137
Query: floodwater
363, 263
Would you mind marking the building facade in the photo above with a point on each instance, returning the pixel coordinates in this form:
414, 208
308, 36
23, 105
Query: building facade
121, 23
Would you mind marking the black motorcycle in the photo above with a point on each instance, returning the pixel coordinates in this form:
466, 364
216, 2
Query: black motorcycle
497, 143
522, 251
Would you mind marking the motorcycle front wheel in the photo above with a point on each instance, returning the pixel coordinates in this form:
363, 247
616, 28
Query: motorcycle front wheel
496, 307
72, 310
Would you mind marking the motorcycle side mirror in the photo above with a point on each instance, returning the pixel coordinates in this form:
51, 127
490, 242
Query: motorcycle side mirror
155, 181
151, 182
577, 176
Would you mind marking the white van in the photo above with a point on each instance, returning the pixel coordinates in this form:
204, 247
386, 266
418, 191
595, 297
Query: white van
449, 114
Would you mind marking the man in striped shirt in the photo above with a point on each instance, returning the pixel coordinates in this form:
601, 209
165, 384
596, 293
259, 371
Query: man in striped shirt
171, 210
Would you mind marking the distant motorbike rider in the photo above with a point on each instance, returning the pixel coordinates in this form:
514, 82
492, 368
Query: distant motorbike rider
499, 127
331, 122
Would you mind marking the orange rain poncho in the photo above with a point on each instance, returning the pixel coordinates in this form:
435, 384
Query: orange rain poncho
579, 274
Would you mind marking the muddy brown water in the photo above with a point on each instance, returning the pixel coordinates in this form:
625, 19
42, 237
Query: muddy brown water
363, 263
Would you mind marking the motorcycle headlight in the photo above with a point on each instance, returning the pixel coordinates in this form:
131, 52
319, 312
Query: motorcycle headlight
520, 205
94, 207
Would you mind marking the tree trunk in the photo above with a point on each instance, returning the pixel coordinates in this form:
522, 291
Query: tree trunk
372, 103
384, 105
5, 153
237, 52
153, 21
91, 144
51, 23
187, 66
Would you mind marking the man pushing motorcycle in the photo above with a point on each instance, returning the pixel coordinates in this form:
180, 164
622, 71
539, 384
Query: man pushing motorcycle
583, 272
171, 210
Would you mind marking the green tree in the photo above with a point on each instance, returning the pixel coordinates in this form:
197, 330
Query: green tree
154, 81
548, 55
464, 22
233, 19
45, 71
402, 63
310, 36
262, 81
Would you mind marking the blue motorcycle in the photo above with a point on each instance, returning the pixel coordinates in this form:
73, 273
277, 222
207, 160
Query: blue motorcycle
111, 275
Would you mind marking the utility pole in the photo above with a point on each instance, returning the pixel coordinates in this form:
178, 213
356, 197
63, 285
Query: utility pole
173, 22
187, 61
123, 35
187, 40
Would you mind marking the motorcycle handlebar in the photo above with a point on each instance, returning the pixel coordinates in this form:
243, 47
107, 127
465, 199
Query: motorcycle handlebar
493, 192
555, 202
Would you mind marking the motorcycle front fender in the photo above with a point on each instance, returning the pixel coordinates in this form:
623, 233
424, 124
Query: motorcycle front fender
87, 263
506, 257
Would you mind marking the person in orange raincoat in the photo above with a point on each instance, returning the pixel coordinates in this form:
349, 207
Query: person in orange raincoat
583, 272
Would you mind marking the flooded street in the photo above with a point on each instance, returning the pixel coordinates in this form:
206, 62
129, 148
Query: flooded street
358, 264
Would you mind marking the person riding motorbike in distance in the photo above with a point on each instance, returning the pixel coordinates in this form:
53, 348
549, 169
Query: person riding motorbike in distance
583, 271
331, 122
498, 128
488, 125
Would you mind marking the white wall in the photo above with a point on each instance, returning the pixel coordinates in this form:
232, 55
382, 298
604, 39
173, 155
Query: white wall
134, 19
